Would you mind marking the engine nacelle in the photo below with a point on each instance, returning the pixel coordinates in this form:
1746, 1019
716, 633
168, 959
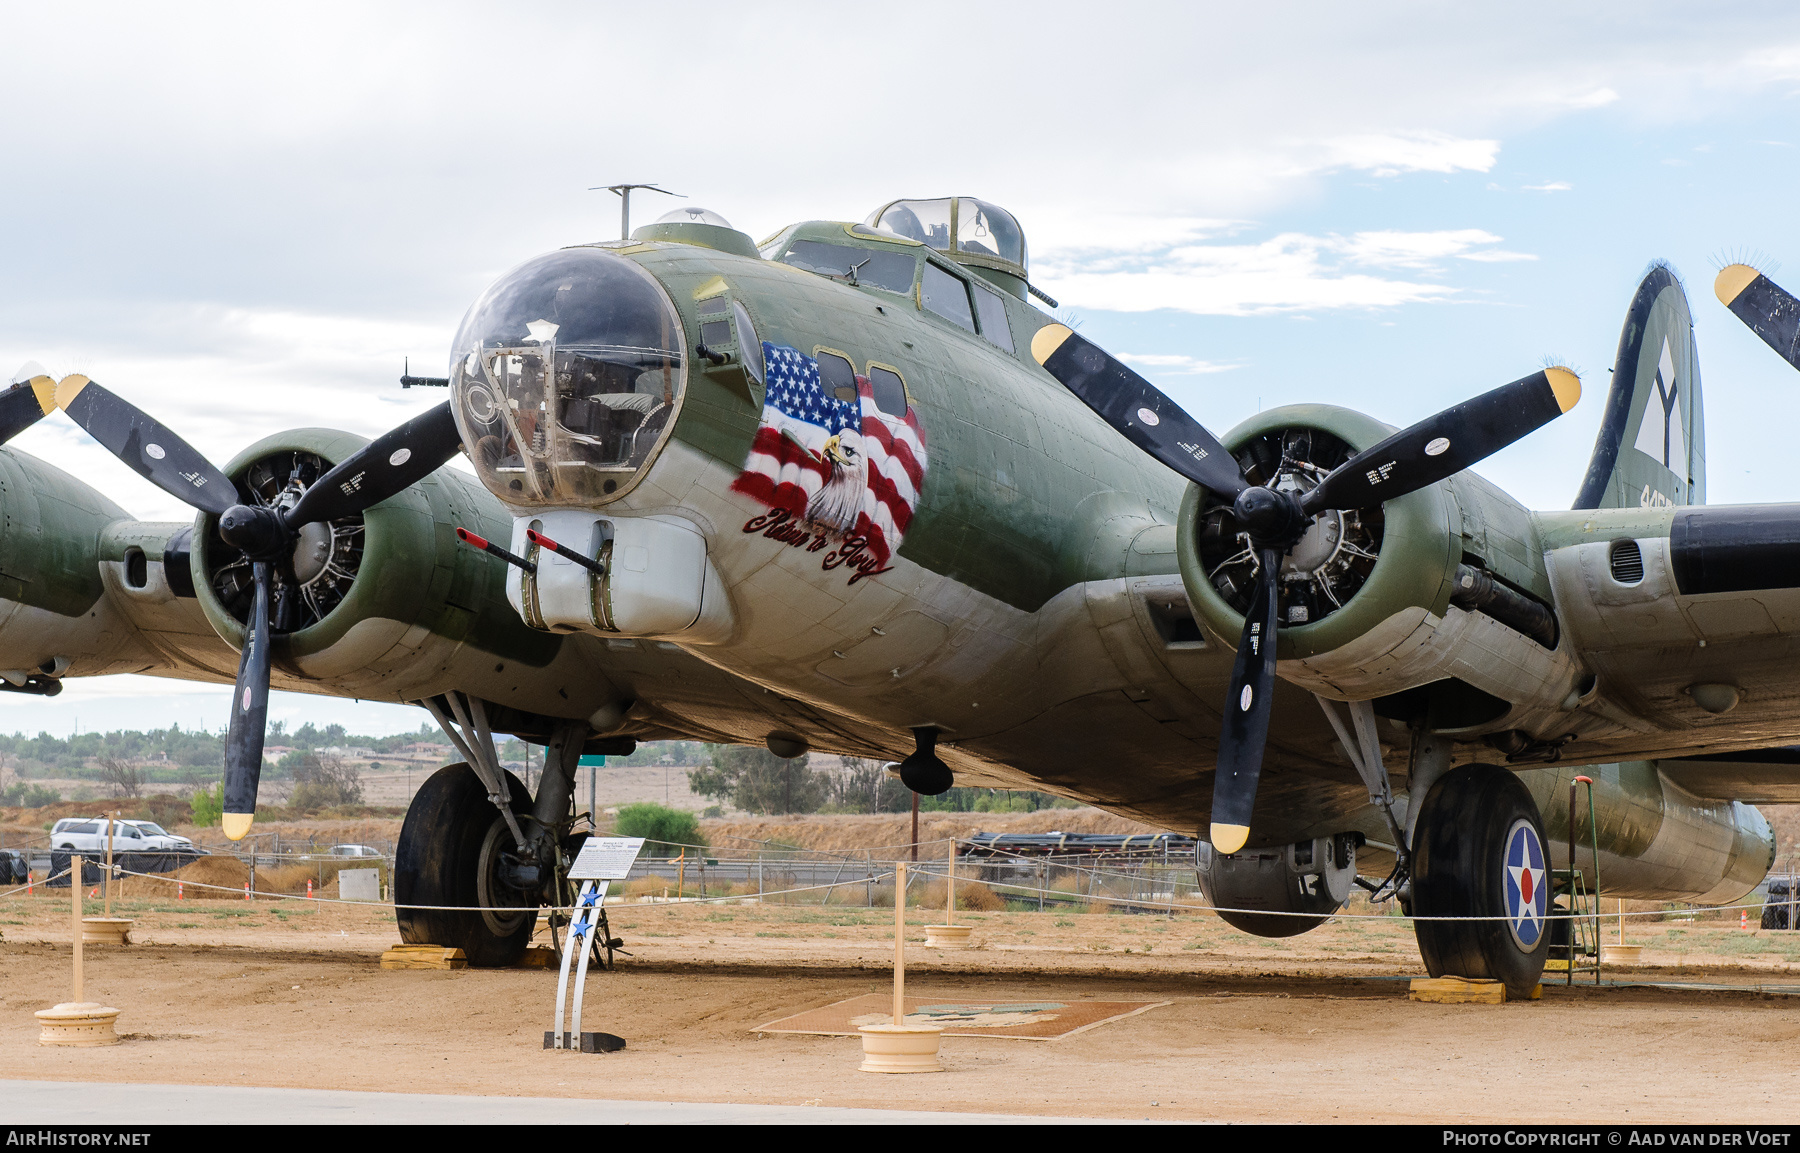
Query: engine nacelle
387, 605
1307, 877
55, 618
1438, 591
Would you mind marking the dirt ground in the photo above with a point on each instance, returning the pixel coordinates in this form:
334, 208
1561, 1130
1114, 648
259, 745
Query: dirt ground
1314, 1028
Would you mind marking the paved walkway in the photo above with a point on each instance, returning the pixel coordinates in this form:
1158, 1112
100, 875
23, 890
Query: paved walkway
92, 1103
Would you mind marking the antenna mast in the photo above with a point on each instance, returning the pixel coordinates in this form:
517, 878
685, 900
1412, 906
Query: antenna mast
623, 192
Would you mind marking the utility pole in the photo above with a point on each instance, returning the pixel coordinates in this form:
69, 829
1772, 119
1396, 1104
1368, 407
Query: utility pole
623, 192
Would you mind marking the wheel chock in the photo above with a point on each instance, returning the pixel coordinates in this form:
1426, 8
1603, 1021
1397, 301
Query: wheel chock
423, 957
1463, 991
590, 1042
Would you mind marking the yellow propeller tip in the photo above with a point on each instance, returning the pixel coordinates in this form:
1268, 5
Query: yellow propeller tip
1731, 282
44, 389
1229, 838
1566, 385
237, 825
1048, 339
70, 388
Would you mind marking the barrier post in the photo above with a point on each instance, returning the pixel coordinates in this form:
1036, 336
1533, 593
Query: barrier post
112, 826
899, 942
75, 923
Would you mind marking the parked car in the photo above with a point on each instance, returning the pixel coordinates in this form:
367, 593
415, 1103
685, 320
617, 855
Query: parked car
88, 835
355, 851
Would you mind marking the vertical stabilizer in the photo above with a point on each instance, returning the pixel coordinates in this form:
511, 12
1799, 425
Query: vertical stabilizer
1652, 444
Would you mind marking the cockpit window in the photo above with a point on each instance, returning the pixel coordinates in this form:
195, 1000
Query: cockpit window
566, 377
992, 311
947, 296
926, 221
979, 228
989, 230
874, 268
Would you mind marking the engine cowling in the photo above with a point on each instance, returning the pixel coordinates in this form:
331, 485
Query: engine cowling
385, 605
1299, 885
1368, 604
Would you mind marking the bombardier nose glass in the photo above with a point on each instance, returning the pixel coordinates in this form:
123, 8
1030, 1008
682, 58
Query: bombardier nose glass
567, 377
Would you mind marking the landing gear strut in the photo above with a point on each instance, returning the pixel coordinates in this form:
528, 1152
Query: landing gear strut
476, 845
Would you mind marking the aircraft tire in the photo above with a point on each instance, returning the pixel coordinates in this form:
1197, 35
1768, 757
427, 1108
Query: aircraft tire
438, 861
1473, 820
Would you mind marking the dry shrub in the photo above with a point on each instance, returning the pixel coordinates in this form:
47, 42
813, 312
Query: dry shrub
971, 897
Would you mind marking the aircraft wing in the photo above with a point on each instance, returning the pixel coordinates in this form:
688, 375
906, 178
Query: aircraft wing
1762, 776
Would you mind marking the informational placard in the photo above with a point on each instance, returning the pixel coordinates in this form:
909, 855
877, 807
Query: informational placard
606, 858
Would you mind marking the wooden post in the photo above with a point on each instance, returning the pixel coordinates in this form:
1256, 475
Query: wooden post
899, 940
75, 921
112, 826
915, 830
950, 884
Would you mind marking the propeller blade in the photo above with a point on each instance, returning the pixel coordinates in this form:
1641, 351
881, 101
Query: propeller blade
1246, 727
147, 447
1137, 408
249, 714
31, 398
1445, 444
1770, 311
391, 462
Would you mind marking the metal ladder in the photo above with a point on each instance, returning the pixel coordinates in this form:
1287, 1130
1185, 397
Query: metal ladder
1581, 909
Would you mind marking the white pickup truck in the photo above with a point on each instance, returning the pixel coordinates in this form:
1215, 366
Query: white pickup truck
88, 835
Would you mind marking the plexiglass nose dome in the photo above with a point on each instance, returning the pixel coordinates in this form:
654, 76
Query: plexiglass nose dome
566, 377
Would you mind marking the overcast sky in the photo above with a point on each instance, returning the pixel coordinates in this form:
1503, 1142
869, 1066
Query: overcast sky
244, 219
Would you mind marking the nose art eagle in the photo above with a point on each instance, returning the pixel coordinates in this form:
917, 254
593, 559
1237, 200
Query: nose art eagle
840, 499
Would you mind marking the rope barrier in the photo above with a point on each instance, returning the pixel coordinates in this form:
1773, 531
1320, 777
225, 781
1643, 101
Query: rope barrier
923, 871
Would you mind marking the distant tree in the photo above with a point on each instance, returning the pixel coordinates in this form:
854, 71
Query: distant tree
863, 785
325, 781
758, 781
122, 778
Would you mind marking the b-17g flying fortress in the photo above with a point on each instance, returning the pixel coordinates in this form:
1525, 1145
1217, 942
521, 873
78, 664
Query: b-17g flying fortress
861, 486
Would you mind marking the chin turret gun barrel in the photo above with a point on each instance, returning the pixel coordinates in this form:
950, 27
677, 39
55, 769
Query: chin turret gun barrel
487, 546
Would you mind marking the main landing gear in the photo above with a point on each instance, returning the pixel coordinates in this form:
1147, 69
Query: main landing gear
1479, 851
476, 845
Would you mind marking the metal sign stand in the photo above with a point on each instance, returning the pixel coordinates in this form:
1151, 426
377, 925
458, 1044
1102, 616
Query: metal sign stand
602, 861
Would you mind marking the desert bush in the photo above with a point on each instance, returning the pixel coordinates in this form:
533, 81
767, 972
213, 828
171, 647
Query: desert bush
208, 805
658, 823
22, 795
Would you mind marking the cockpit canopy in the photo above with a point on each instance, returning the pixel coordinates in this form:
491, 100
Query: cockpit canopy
565, 378
966, 229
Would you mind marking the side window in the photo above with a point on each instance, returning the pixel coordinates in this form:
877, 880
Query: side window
837, 376
717, 318
947, 296
715, 327
992, 311
749, 344
888, 389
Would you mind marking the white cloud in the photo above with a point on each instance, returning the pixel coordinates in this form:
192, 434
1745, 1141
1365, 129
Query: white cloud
1390, 154
1288, 272
1552, 186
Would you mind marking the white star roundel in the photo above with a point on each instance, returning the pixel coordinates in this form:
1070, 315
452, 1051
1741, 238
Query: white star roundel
1527, 885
